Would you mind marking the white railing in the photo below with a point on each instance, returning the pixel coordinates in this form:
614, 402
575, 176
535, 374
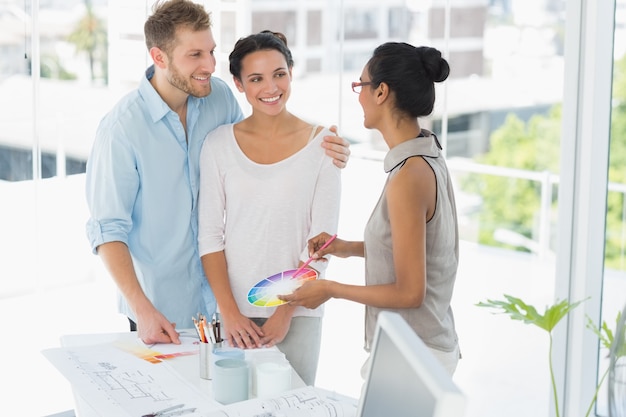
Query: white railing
540, 244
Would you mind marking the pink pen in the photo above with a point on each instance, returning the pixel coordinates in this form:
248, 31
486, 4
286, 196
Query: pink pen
324, 246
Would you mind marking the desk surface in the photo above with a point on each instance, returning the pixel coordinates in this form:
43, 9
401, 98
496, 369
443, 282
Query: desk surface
84, 348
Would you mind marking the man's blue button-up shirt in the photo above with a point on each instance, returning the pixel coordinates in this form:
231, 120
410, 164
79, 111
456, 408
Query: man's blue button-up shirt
142, 190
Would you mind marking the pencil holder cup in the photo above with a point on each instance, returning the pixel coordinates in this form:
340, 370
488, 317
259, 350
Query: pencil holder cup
207, 359
231, 381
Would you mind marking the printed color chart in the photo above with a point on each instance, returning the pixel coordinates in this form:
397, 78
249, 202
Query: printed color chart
265, 292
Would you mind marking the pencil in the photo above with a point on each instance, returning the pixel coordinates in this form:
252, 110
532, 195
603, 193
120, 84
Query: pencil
218, 336
324, 246
200, 324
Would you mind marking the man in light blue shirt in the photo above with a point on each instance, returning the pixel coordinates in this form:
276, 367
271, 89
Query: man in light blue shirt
142, 175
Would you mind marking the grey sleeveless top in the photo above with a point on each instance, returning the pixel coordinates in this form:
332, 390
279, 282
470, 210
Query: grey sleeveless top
433, 321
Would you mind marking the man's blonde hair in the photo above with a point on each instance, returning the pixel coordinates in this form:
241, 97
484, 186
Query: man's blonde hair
170, 15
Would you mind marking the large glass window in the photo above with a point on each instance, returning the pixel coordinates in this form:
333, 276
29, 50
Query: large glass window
498, 116
501, 120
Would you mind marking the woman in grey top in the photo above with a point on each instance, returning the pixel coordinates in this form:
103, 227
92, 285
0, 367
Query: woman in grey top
411, 243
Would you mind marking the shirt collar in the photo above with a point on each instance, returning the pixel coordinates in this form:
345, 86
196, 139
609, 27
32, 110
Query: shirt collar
426, 145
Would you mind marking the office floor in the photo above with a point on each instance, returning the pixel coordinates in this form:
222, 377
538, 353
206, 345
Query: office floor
502, 373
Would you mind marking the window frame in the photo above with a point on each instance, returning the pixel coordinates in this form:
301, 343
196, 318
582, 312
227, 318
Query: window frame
582, 196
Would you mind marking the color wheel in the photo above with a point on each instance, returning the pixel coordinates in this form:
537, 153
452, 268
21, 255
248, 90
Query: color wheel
265, 292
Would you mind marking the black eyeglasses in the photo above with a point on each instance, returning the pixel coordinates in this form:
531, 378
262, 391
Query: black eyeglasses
356, 86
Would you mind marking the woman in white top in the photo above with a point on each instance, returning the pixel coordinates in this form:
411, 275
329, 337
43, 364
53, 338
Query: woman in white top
266, 187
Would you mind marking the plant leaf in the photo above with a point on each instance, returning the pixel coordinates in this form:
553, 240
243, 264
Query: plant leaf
620, 344
604, 333
517, 309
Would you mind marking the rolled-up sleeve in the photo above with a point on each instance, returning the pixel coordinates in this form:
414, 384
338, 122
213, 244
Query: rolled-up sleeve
111, 187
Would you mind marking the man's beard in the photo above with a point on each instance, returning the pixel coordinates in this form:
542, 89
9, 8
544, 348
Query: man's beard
184, 84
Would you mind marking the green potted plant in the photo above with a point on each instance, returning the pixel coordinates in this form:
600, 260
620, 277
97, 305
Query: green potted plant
517, 309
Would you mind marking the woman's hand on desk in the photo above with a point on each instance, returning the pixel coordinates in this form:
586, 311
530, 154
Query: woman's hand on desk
239, 331
277, 325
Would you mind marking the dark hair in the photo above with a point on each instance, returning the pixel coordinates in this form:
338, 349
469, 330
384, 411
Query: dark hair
170, 15
262, 41
410, 72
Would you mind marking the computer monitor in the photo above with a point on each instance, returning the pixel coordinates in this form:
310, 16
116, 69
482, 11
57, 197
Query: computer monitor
404, 378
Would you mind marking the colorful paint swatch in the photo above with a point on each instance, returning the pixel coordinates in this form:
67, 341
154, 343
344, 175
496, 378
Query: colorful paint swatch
160, 352
265, 292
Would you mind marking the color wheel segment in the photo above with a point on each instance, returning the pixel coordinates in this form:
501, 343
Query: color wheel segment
265, 292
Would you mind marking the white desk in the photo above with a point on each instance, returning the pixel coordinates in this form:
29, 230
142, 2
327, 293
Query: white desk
186, 366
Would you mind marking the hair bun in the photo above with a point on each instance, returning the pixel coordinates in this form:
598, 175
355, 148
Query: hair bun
435, 66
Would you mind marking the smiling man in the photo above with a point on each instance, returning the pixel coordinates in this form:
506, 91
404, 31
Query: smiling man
143, 171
